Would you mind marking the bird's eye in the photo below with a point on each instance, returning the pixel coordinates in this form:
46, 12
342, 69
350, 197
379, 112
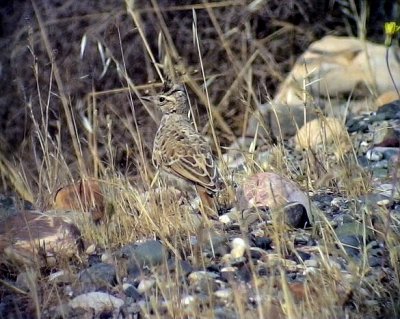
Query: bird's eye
161, 99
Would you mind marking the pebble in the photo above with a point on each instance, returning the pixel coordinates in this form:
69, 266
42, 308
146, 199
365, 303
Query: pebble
239, 247
131, 291
97, 302
262, 242
225, 219
99, 275
145, 285
26, 279
311, 263
229, 273
175, 265
296, 215
188, 300
91, 249
383, 202
223, 293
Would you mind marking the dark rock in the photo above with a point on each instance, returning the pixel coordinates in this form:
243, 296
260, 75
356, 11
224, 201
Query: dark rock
351, 234
244, 273
391, 153
374, 261
223, 313
203, 282
388, 111
356, 125
99, 276
235, 227
238, 262
363, 161
296, 215
323, 201
255, 254
351, 244
213, 244
263, 271
372, 199
228, 273
301, 256
94, 259
301, 239
180, 266
262, 242
214, 268
134, 271
149, 253
131, 292
389, 142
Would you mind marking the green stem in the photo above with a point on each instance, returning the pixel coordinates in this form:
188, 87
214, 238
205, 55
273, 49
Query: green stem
390, 72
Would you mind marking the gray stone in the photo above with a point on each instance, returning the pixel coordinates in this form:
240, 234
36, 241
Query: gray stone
203, 281
180, 266
351, 244
212, 243
389, 111
131, 291
99, 275
26, 279
149, 253
374, 155
146, 284
296, 215
351, 236
97, 302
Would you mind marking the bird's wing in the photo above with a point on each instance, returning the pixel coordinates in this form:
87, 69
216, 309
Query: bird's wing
197, 168
186, 154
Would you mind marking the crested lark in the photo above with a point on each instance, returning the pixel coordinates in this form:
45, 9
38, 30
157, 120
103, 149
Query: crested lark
179, 149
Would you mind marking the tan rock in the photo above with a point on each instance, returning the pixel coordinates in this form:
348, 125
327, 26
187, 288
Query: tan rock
85, 196
335, 66
273, 191
386, 97
29, 237
329, 132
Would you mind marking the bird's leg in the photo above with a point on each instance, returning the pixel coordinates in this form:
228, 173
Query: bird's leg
207, 203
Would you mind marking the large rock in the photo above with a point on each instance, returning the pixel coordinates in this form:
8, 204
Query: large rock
335, 66
275, 192
329, 133
97, 302
329, 72
85, 196
29, 236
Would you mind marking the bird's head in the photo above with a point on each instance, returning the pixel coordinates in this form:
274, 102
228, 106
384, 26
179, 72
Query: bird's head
172, 99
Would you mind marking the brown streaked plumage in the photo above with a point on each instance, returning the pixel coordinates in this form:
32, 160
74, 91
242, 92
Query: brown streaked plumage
179, 149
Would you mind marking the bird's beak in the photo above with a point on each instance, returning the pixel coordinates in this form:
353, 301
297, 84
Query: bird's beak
147, 98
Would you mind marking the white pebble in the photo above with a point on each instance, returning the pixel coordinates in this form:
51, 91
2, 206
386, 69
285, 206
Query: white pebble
311, 263
223, 293
188, 300
238, 247
91, 249
374, 156
145, 285
98, 301
225, 219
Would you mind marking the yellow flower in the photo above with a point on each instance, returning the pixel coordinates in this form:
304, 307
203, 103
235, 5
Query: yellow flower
391, 29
